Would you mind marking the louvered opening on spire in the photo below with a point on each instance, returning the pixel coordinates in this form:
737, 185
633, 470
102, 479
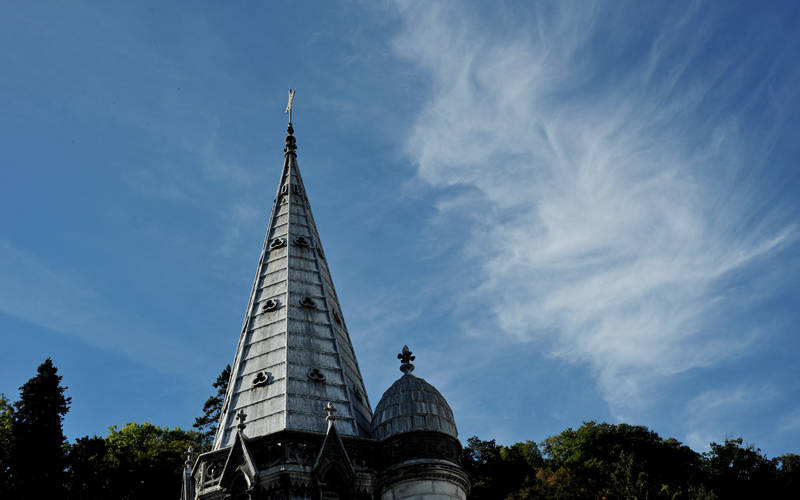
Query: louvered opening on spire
294, 353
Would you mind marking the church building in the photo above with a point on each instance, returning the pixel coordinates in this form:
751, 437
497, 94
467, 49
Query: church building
296, 422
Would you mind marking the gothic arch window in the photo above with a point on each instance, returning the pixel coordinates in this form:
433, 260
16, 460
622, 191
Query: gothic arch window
239, 487
333, 485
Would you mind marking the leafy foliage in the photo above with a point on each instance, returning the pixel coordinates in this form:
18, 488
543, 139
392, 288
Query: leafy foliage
737, 470
625, 460
789, 472
496, 470
6, 442
606, 461
136, 461
90, 471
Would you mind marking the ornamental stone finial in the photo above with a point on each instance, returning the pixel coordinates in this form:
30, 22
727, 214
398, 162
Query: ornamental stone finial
330, 410
241, 417
406, 358
189, 456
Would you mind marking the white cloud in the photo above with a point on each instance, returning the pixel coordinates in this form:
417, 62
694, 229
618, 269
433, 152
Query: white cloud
716, 414
604, 211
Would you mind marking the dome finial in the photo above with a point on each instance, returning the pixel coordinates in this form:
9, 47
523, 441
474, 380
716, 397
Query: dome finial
406, 358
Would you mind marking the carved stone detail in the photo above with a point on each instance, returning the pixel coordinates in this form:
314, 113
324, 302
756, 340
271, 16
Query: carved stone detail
302, 242
315, 375
263, 379
419, 444
271, 305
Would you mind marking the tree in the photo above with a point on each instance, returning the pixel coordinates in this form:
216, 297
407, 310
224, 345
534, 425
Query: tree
482, 461
138, 461
497, 471
6, 442
550, 484
88, 469
37, 459
206, 424
737, 471
147, 460
623, 460
789, 474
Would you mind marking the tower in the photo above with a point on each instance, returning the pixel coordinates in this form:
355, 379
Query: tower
296, 422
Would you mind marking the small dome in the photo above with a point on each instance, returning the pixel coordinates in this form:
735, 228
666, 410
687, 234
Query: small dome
412, 404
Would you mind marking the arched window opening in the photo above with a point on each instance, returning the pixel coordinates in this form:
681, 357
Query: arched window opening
239, 488
333, 485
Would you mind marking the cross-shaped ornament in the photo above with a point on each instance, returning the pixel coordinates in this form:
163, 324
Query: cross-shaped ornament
241, 417
406, 358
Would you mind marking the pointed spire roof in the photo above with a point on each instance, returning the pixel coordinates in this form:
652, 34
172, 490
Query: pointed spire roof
294, 353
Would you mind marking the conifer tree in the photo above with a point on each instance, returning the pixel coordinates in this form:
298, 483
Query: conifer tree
37, 459
206, 424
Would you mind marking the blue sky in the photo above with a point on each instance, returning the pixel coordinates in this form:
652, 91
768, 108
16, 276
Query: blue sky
568, 210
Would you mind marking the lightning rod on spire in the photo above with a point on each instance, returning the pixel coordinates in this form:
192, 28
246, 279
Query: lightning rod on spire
289, 106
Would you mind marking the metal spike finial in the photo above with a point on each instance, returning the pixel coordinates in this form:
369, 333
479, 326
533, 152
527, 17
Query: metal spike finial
291, 144
289, 106
406, 358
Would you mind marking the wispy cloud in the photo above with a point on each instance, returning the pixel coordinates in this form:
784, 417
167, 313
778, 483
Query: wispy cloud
36, 292
237, 216
717, 414
790, 421
607, 184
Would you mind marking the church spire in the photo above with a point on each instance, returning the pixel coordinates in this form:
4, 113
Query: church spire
294, 353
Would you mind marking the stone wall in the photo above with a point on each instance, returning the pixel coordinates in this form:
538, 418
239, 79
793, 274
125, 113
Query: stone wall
427, 489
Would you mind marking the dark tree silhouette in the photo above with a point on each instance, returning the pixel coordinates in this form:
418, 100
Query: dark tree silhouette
206, 424
37, 459
89, 469
735, 470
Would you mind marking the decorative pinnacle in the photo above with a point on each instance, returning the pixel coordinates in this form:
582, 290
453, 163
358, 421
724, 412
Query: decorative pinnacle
189, 456
241, 417
330, 410
406, 358
291, 145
